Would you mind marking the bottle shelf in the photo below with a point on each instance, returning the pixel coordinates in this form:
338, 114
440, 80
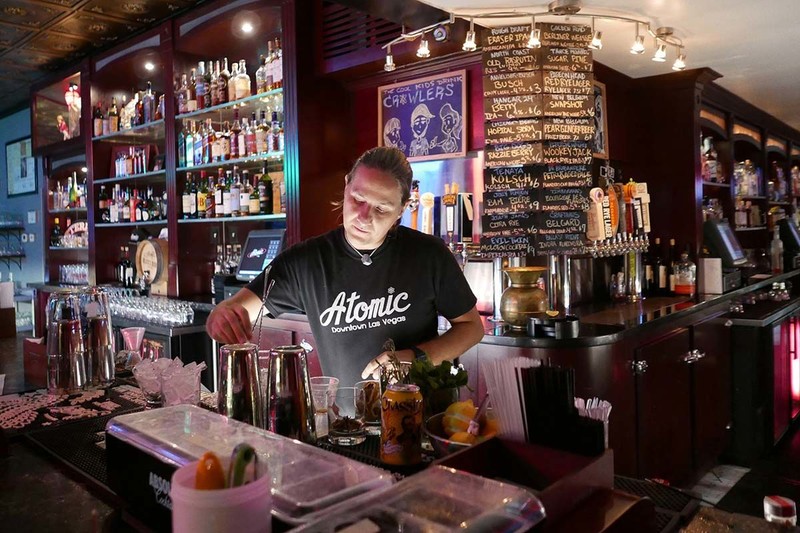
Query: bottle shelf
133, 177
76, 210
68, 249
780, 203
253, 218
753, 228
131, 224
245, 105
715, 184
751, 198
272, 156
152, 131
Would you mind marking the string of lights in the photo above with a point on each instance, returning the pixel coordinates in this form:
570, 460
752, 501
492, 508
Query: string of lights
663, 37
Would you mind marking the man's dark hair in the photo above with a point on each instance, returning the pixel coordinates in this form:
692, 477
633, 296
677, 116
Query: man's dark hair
391, 161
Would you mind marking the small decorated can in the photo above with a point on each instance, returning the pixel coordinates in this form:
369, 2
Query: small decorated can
401, 425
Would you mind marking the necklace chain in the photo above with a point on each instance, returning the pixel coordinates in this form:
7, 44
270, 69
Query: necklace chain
366, 259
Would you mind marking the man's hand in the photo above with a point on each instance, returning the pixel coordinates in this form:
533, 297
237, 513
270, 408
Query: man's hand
373, 368
229, 323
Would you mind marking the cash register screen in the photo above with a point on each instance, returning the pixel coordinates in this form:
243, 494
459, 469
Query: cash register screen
722, 242
260, 249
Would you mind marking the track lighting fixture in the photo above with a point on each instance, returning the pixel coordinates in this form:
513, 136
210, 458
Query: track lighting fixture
680, 62
535, 39
597, 39
423, 51
469, 43
389, 66
638, 42
661, 53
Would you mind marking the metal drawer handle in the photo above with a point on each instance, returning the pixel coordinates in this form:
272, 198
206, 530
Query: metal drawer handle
693, 356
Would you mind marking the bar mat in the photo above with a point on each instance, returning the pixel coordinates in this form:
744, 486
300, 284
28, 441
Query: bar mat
673, 508
369, 453
80, 444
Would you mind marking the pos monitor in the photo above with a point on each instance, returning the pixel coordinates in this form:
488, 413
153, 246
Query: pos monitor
722, 242
261, 247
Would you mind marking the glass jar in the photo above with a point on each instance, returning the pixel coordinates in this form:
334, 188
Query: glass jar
685, 276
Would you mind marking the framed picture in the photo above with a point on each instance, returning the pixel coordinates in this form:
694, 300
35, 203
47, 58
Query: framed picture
600, 143
20, 167
425, 118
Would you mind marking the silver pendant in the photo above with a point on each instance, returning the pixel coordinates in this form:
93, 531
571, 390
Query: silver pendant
366, 260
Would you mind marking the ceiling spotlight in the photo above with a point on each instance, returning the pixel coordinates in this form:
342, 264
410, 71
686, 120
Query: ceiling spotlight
597, 39
535, 39
423, 51
680, 62
247, 27
149, 66
469, 42
638, 43
389, 66
661, 53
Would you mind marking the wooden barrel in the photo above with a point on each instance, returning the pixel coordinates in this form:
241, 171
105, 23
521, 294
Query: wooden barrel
153, 255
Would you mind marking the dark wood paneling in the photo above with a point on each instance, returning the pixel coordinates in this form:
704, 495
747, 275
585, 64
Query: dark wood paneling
711, 384
664, 409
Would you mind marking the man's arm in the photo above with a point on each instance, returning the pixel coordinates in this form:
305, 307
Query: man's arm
465, 332
231, 320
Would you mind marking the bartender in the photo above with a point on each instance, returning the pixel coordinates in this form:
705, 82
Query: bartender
365, 282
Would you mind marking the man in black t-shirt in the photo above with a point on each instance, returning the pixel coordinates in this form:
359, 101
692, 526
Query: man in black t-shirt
365, 282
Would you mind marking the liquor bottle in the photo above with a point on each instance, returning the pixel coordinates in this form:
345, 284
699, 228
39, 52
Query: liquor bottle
224, 136
219, 190
73, 191
232, 82
207, 85
269, 68
128, 282
210, 197
192, 199
226, 195
191, 100
261, 76
102, 205
202, 195
186, 205
181, 148
149, 104
222, 82
97, 120
214, 83
776, 252
238, 148
235, 194
153, 205
55, 234
119, 269
211, 144
275, 134
672, 259
142, 215
254, 204
134, 204
183, 94
113, 115
250, 136
265, 193
113, 211
243, 89
159, 115
658, 269
200, 85
277, 74
244, 195
262, 131
199, 144
164, 204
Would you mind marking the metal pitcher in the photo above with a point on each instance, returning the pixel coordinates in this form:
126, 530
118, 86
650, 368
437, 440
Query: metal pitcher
68, 369
288, 394
239, 394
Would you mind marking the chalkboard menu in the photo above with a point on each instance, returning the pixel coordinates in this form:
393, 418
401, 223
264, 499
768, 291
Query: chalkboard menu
425, 118
538, 125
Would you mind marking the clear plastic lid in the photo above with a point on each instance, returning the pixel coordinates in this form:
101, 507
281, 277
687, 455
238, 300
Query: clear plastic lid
305, 480
438, 499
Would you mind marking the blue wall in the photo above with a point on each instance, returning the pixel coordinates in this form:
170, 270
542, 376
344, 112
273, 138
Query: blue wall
14, 127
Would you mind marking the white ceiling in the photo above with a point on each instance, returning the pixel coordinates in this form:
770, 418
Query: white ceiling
754, 44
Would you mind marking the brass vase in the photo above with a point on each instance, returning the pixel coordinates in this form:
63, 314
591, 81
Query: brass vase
523, 298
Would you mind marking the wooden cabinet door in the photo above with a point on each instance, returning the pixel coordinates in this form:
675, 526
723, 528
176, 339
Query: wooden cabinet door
782, 381
711, 391
663, 400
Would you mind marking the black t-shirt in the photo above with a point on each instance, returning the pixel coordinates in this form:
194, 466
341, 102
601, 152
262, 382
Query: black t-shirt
353, 309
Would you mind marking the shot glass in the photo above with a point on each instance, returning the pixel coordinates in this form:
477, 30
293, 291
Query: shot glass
323, 392
371, 406
345, 422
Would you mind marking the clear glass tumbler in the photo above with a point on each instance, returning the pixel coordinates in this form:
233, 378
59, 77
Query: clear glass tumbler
345, 422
